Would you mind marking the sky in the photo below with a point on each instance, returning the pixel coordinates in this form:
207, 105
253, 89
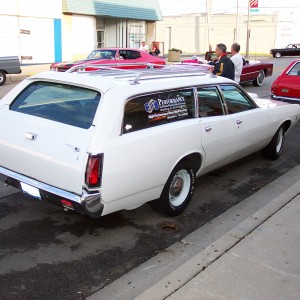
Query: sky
177, 7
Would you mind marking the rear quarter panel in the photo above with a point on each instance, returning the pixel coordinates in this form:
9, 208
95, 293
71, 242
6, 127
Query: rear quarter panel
279, 112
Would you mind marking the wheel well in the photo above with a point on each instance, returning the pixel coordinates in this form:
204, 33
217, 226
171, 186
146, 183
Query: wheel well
286, 125
3, 71
195, 159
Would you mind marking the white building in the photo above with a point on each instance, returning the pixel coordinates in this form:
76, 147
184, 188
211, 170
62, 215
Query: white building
28, 29
44, 31
192, 34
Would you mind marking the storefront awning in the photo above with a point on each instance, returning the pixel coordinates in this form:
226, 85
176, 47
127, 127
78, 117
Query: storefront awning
147, 10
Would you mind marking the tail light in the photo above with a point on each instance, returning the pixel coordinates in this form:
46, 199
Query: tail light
93, 174
273, 89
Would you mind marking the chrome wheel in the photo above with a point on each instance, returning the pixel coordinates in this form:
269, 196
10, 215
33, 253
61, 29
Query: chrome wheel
277, 55
179, 188
274, 149
260, 79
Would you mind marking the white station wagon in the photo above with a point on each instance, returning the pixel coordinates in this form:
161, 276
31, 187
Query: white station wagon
102, 141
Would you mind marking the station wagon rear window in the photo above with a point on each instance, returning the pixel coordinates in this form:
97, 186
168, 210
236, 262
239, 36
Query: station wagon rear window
158, 109
62, 103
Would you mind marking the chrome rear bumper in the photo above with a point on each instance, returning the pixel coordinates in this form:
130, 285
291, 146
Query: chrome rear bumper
286, 99
89, 202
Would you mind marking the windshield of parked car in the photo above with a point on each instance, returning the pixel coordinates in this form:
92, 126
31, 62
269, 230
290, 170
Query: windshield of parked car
102, 54
62, 103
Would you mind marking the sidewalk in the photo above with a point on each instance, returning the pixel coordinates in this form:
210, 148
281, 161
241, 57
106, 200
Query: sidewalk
265, 265
249, 252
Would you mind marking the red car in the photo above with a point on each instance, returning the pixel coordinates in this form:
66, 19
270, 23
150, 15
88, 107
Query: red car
253, 71
121, 56
286, 86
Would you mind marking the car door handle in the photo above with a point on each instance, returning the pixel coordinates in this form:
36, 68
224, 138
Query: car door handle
208, 128
239, 122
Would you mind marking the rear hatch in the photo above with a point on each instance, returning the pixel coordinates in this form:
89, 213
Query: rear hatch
45, 133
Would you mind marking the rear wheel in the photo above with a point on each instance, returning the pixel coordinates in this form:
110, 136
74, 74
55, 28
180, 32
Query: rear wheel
274, 149
178, 190
2, 77
259, 80
278, 54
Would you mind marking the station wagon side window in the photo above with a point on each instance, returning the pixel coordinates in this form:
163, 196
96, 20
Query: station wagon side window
62, 103
236, 100
157, 109
210, 102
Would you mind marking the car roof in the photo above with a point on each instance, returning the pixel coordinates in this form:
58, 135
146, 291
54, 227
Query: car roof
136, 80
115, 48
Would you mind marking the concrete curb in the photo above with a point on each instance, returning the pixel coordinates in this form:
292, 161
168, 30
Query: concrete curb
171, 269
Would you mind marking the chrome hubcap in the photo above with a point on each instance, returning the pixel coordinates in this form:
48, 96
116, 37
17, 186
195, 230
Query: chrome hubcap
179, 188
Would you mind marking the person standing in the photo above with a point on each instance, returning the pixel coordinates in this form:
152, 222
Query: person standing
144, 47
237, 60
223, 66
155, 49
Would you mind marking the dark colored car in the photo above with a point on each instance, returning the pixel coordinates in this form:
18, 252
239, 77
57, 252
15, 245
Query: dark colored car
253, 71
120, 56
286, 86
289, 50
9, 65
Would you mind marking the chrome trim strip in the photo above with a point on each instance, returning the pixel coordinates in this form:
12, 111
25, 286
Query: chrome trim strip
43, 186
280, 98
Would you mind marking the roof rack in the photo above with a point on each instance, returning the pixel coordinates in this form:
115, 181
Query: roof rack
146, 71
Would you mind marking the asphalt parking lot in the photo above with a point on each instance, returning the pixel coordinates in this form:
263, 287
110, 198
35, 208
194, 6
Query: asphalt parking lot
48, 253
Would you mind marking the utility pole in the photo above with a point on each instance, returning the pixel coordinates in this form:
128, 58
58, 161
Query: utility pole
236, 37
248, 32
208, 12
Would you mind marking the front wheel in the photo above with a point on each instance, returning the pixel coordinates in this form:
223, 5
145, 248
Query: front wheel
178, 190
259, 80
274, 149
2, 77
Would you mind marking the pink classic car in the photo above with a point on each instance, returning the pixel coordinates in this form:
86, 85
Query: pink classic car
123, 58
253, 71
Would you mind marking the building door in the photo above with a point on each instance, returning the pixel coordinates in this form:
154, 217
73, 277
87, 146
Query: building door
100, 38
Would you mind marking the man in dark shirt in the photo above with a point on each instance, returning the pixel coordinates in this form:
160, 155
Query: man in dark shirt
223, 66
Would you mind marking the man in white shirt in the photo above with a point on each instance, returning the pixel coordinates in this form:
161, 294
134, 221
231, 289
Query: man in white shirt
237, 60
144, 47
